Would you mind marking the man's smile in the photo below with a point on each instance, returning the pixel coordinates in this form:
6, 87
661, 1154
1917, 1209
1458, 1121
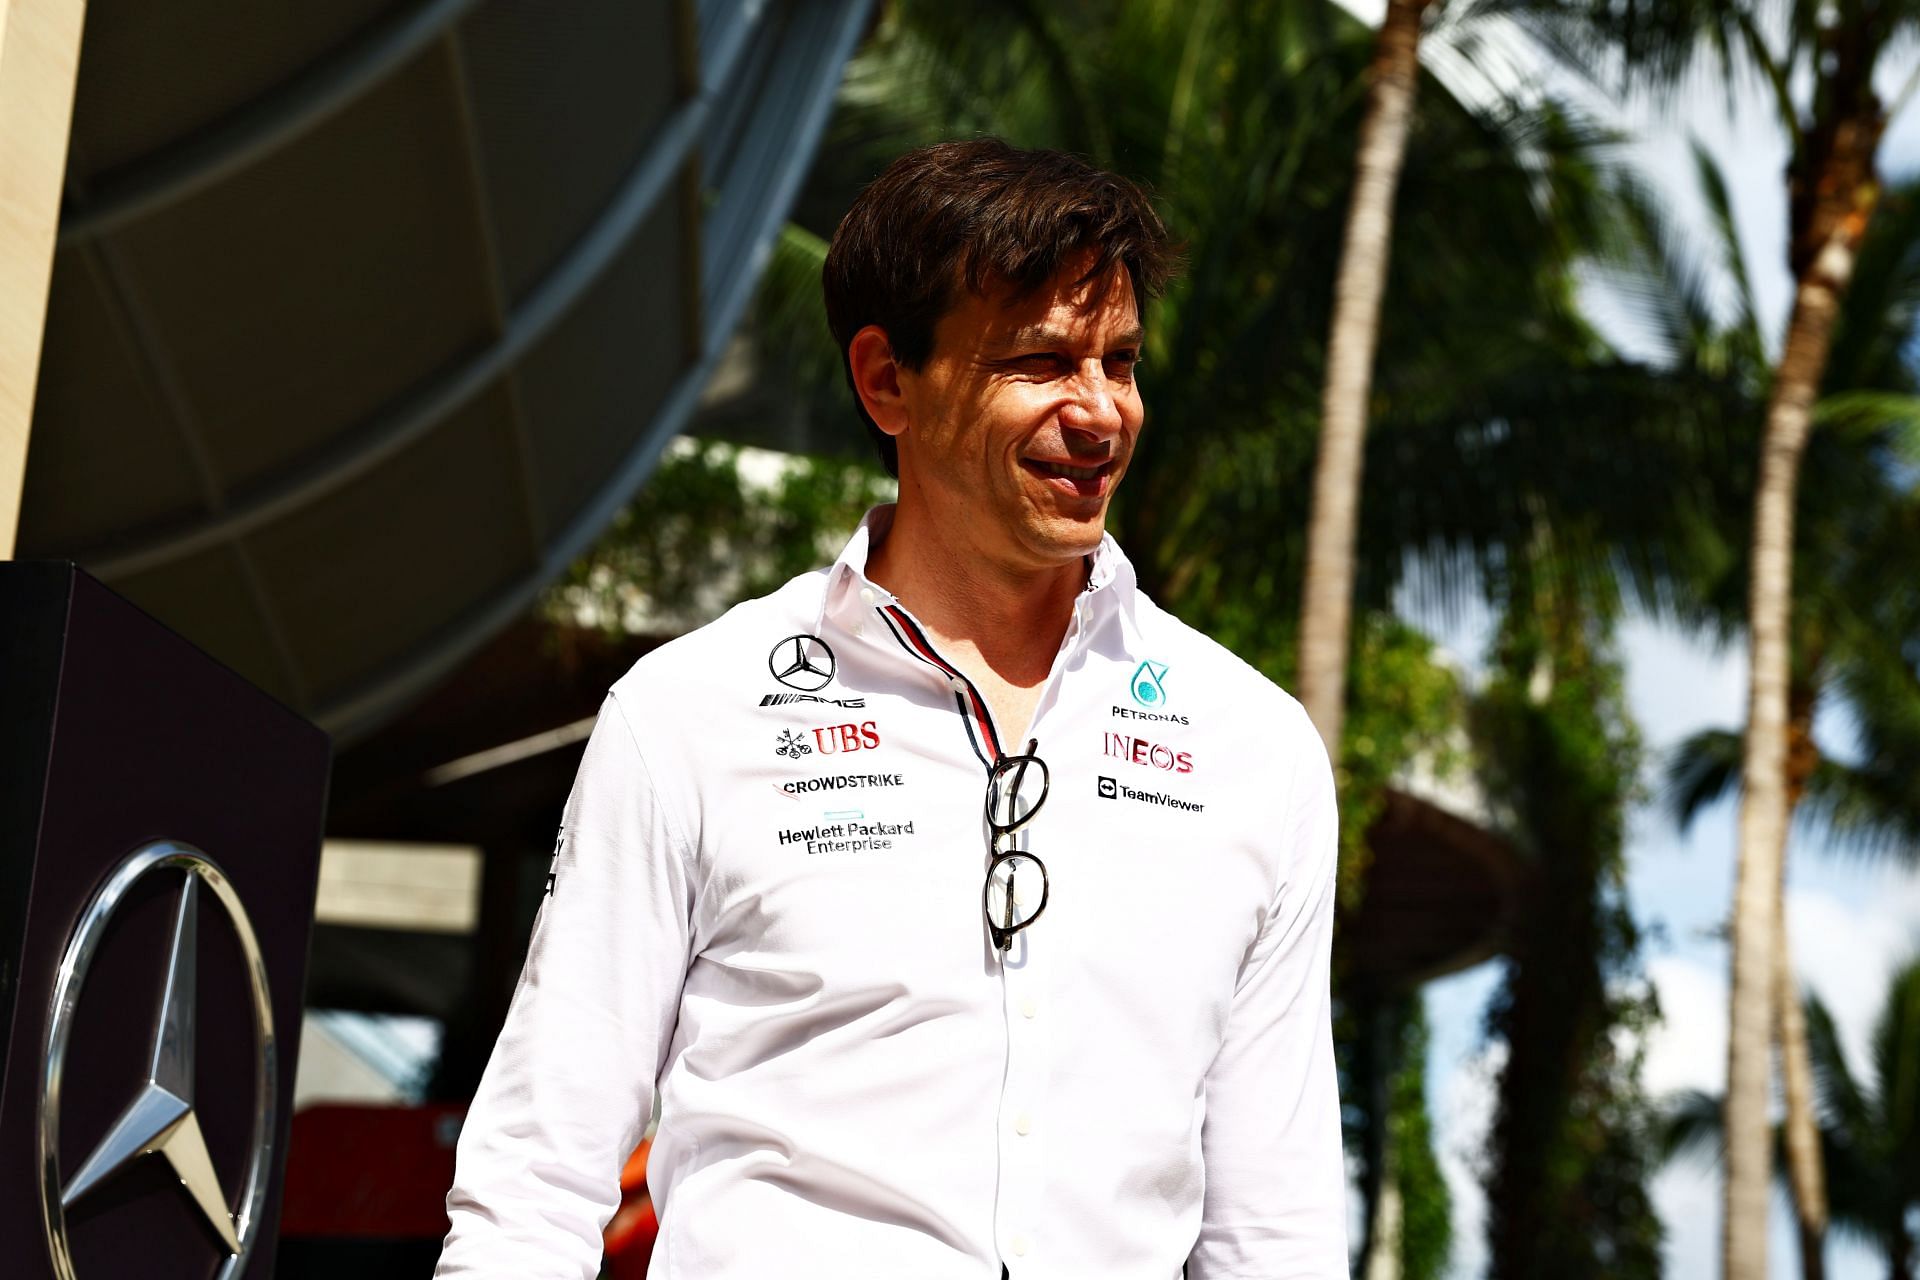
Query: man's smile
1081, 481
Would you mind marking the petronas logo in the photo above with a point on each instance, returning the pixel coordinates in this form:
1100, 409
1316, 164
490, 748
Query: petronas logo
1148, 689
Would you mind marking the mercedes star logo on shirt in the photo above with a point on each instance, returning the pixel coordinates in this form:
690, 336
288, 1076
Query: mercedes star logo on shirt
802, 662
161, 1119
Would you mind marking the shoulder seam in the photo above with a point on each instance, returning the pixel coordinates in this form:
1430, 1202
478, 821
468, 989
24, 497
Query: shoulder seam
667, 808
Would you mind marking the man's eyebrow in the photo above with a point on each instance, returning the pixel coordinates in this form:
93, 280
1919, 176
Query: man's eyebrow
1042, 337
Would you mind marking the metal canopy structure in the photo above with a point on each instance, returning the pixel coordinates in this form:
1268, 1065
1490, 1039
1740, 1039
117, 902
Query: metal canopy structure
368, 316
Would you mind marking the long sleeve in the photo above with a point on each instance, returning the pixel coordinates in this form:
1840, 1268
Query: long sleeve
1276, 1190
570, 1085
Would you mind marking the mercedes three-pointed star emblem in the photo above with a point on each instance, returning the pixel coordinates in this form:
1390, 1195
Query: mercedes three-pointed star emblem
160, 1119
802, 662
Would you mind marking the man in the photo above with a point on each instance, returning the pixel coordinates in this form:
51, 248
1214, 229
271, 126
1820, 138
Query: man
966, 910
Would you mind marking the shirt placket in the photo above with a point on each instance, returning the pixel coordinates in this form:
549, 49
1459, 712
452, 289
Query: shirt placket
1019, 1228
1022, 1128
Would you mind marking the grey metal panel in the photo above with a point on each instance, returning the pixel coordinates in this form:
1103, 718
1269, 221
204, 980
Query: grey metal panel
411, 542
111, 126
724, 26
205, 598
593, 388
838, 27
745, 51
360, 441
116, 462
566, 99
126, 111
759, 187
368, 445
366, 233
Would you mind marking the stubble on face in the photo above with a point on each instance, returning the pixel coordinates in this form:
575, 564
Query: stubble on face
1023, 420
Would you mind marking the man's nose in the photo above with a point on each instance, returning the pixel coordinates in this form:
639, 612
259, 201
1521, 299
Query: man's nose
1093, 409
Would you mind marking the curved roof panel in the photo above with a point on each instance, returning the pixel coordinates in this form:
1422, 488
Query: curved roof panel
366, 317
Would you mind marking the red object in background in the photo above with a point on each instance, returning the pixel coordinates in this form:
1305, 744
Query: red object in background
631, 1233
382, 1173
370, 1172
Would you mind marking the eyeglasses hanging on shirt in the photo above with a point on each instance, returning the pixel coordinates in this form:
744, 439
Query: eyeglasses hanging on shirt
1016, 889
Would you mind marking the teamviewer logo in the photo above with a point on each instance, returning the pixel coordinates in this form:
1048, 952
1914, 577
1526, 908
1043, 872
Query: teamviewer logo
1109, 789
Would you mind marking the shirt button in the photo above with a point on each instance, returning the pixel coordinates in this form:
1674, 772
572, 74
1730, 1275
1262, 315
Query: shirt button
1019, 1244
867, 596
1029, 1008
1023, 1124
958, 683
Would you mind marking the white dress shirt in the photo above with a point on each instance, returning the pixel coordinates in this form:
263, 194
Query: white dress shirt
766, 904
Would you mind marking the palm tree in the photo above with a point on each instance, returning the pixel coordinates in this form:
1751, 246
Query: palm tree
1870, 1130
1835, 49
1327, 596
1861, 528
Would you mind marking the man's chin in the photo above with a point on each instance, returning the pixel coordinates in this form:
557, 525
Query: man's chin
1063, 537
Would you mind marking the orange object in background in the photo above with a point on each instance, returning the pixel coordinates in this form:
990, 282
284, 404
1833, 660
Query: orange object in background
634, 1227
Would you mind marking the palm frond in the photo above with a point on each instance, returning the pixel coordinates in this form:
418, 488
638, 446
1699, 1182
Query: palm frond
1701, 770
1866, 810
1894, 415
1873, 334
1848, 1110
1896, 1061
1691, 1128
1733, 258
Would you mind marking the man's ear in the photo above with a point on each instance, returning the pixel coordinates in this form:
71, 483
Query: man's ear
876, 379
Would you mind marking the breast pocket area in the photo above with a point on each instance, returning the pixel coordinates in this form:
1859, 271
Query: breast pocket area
861, 890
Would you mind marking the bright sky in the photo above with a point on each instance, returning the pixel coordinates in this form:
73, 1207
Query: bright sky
1851, 923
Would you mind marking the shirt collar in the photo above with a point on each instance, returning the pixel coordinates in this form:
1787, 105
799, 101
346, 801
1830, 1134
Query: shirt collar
850, 594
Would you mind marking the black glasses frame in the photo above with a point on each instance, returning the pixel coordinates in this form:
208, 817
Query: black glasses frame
1002, 931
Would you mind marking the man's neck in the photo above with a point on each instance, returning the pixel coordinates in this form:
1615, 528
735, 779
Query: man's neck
996, 621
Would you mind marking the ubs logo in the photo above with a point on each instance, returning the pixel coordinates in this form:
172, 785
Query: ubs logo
845, 739
803, 662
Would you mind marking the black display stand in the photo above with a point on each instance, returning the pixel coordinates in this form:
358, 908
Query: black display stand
133, 766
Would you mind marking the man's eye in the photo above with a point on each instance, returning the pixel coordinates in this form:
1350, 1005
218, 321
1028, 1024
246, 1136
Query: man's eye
1039, 362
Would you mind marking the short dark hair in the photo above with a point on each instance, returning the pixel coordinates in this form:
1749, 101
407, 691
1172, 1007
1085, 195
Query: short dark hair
978, 214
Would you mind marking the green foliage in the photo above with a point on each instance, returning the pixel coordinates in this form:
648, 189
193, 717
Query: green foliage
1406, 712
1573, 1135
1380, 1042
1871, 1138
703, 535
1407, 706
1426, 1207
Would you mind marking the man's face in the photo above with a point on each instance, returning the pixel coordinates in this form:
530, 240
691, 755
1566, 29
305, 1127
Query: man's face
1022, 420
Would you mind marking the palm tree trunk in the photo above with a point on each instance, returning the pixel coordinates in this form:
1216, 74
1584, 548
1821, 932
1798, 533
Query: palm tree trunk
1327, 600
1806, 1175
1383, 1258
1375, 1063
1899, 1248
1763, 805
